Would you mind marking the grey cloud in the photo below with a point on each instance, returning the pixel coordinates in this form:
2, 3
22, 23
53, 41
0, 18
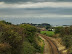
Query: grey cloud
23, 11
16, 1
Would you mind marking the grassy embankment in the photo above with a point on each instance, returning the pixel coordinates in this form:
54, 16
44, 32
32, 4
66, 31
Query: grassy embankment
41, 44
65, 33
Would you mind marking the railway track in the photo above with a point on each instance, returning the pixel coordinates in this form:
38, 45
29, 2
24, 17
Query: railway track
53, 47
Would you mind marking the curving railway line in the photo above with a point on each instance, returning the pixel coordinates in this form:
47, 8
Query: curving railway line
53, 47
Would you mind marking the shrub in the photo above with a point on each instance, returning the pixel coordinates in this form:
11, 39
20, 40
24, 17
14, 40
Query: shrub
67, 40
27, 48
58, 30
5, 48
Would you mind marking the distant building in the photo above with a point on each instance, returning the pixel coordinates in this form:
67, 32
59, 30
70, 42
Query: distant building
62, 26
66, 25
51, 29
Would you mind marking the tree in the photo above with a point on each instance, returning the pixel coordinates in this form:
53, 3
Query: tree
6, 22
48, 26
29, 31
27, 48
58, 30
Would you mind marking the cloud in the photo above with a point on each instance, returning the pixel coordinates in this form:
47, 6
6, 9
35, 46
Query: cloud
37, 5
17, 1
36, 12
37, 16
40, 9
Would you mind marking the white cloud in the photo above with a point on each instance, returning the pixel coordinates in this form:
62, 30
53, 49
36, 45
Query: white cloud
38, 16
37, 5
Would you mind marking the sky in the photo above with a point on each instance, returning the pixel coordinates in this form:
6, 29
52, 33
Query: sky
54, 12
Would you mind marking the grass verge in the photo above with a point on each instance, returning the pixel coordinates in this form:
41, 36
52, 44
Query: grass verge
41, 44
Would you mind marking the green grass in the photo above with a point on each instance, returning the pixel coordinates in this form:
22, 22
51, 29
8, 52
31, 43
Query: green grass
48, 33
42, 47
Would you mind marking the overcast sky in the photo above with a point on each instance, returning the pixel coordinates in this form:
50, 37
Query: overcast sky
57, 12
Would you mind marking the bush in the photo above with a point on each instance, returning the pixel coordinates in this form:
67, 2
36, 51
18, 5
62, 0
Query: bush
29, 32
58, 30
67, 40
70, 50
27, 48
5, 48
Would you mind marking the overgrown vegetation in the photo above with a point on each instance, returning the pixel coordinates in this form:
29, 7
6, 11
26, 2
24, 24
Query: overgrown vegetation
18, 39
41, 43
58, 30
66, 35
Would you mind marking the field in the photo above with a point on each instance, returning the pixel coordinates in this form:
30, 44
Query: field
48, 33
